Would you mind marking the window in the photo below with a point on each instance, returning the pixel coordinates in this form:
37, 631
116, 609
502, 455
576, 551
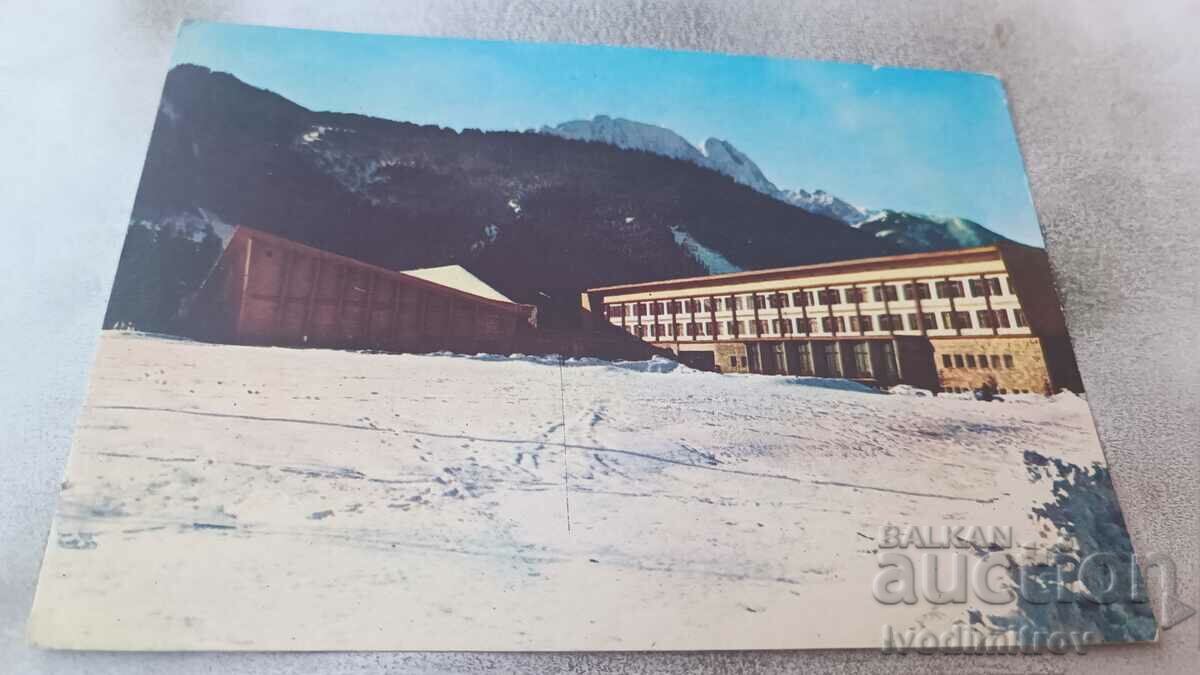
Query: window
946, 363
832, 324
1008, 361
641, 331
970, 360
860, 323
884, 292
658, 330
778, 300
781, 327
710, 305
985, 287
729, 328
956, 319
920, 290
679, 329
949, 289
614, 311
923, 321
983, 361
995, 362
958, 360
801, 299
985, 318
829, 296
732, 303
733, 362
829, 358
805, 325
1019, 318
1009, 283
760, 302
854, 295
804, 358
711, 327
1001, 318
862, 358
891, 322
640, 309
761, 325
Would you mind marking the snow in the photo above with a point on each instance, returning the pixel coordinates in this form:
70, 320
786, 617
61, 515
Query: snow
227, 497
908, 390
314, 134
713, 261
716, 154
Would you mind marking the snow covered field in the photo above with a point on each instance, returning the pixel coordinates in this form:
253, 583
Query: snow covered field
223, 497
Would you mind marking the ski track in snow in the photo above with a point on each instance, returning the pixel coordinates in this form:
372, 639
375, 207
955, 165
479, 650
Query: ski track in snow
226, 497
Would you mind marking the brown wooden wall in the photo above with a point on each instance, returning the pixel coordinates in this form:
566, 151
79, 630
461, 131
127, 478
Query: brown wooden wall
268, 290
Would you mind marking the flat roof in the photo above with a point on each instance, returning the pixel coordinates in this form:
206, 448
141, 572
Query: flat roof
990, 251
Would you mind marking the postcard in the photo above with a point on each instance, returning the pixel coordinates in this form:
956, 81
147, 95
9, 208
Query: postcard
437, 344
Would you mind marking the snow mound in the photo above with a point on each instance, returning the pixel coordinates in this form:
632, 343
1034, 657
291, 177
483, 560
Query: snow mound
826, 383
656, 364
909, 390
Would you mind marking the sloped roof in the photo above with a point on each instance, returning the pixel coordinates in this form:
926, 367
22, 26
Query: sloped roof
458, 278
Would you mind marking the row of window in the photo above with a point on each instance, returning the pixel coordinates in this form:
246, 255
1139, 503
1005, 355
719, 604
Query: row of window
828, 357
978, 361
828, 296
984, 318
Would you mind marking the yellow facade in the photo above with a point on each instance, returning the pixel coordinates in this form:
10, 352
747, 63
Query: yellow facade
881, 320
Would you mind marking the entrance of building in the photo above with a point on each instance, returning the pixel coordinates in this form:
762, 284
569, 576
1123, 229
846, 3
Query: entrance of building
699, 360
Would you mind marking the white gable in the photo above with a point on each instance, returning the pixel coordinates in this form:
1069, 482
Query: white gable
458, 278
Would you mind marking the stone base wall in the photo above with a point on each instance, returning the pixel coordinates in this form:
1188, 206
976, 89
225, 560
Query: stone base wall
727, 353
1014, 364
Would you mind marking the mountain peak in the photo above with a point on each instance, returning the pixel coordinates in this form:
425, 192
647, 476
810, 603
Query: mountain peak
629, 135
919, 232
724, 158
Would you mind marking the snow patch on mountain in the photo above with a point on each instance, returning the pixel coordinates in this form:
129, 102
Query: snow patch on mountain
713, 261
726, 159
822, 203
919, 232
629, 135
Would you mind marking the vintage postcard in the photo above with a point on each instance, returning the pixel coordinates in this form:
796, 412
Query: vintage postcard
431, 344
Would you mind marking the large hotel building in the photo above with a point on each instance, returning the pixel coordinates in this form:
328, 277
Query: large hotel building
944, 321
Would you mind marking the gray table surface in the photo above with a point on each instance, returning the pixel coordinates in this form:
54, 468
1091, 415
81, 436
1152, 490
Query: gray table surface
1105, 96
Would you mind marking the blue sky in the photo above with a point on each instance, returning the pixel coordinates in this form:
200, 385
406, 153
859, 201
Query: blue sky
927, 141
